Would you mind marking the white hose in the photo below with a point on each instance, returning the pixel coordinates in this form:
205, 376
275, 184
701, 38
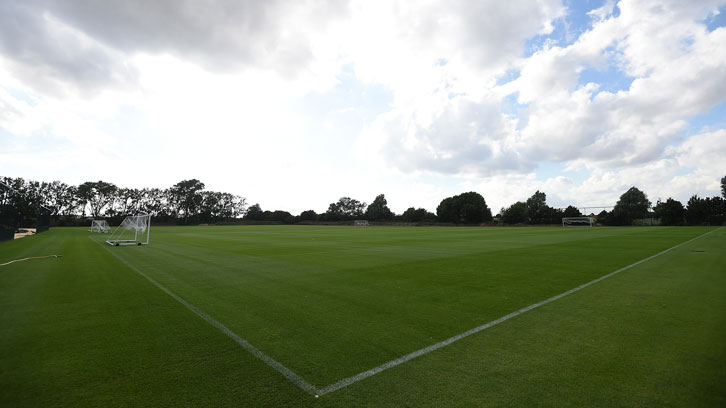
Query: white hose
32, 257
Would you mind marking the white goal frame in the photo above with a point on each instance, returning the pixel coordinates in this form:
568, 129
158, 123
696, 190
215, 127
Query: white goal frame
578, 222
133, 224
100, 226
361, 223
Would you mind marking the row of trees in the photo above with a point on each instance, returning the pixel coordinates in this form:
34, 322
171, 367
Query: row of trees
536, 211
184, 202
345, 209
698, 211
632, 206
187, 202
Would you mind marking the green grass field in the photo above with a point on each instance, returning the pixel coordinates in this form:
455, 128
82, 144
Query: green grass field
94, 328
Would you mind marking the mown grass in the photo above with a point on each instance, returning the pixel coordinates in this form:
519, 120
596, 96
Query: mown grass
330, 302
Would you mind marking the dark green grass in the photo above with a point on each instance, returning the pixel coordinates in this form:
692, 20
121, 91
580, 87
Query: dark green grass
330, 302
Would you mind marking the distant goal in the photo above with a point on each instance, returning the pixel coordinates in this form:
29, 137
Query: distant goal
360, 223
100, 226
134, 230
578, 222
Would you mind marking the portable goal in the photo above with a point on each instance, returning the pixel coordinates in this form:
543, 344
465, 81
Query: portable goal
134, 230
360, 223
578, 222
100, 226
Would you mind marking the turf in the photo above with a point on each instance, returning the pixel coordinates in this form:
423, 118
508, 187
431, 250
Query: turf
331, 302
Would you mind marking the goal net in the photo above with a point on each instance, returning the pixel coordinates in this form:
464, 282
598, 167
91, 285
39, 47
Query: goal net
99, 226
134, 230
578, 222
360, 223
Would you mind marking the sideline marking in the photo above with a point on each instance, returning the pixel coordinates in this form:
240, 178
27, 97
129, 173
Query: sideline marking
286, 372
311, 389
373, 371
29, 258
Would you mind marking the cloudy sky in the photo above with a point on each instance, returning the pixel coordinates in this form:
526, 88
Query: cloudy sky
295, 104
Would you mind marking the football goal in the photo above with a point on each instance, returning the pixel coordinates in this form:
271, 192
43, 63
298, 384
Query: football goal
360, 223
99, 226
578, 222
134, 230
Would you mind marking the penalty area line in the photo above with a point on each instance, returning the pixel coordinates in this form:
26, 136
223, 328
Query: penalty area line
286, 372
393, 363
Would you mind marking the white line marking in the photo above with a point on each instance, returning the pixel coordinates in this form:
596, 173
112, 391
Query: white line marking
311, 389
373, 371
286, 372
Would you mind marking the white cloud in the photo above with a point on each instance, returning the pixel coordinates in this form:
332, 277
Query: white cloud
446, 122
212, 90
678, 69
441, 62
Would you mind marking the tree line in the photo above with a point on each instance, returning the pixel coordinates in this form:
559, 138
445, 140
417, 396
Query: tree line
633, 207
187, 202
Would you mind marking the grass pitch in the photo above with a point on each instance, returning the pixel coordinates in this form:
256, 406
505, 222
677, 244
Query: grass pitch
331, 302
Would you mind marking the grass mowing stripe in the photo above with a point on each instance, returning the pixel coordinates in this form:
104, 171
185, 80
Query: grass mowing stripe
361, 376
286, 372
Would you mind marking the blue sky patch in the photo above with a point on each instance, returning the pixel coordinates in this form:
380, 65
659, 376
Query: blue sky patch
712, 120
365, 101
550, 169
610, 79
508, 76
511, 107
22, 96
569, 28
715, 21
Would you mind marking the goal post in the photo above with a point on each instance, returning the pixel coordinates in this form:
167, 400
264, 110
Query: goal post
100, 226
578, 222
360, 223
133, 230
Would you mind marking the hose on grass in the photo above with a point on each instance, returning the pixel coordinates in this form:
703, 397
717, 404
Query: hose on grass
32, 257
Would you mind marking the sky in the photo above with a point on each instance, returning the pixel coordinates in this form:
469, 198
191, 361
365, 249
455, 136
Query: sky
294, 104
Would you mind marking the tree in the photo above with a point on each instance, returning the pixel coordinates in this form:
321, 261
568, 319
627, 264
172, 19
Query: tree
154, 201
465, 208
417, 215
279, 216
602, 217
718, 211
515, 213
571, 211
555, 215
706, 211
345, 209
537, 209
12, 203
670, 212
211, 207
97, 196
186, 197
697, 210
445, 211
254, 213
633, 204
723, 186
128, 201
60, 198
308, 215
378, 209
